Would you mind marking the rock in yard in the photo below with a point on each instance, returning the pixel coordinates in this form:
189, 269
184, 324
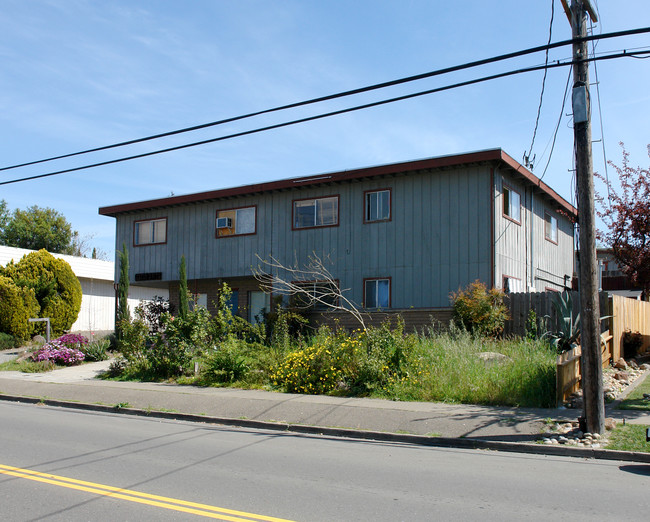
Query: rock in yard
622, 376
621, 364
492, 357
610, 423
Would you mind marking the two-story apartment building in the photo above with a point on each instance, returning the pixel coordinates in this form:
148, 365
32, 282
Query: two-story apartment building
400, 236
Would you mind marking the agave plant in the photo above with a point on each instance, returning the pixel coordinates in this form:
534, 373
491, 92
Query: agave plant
568, 324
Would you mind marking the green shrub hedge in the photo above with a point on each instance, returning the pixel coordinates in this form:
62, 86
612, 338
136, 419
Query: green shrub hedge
17, 305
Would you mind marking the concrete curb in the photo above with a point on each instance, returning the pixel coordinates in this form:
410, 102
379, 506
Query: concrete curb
422, 440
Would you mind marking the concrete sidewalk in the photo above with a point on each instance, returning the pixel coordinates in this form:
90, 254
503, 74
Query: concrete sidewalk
78, 385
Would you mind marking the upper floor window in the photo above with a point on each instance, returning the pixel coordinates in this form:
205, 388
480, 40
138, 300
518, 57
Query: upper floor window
376, 293
511, 204
377, 205
150, 232
236, 221
550, 227
317, 212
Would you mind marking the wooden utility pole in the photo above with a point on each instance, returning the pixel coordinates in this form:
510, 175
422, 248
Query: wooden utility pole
592, 369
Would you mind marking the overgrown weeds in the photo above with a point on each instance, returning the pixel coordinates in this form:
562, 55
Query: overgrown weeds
380, 361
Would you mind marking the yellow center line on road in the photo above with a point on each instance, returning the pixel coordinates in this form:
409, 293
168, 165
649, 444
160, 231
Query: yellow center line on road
184, 506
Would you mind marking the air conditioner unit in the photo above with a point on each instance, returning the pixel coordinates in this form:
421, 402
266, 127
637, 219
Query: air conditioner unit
224, 222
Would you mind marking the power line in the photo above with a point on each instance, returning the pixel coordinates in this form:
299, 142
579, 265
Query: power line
527, 161
600, 119
557, 126
321, 116
360, 90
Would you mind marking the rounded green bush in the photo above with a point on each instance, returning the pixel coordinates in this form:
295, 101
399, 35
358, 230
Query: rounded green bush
54, 284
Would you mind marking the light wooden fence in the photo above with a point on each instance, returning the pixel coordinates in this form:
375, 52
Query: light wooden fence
541, 303
629, 315
626, 315
568, 374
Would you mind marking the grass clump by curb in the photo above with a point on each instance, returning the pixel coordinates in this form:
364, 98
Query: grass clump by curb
629, 437
27, 366
635, 400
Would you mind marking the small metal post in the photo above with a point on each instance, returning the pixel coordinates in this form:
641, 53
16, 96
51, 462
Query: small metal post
47, 325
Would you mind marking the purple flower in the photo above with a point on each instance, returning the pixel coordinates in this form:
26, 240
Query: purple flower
73, 340
59, 353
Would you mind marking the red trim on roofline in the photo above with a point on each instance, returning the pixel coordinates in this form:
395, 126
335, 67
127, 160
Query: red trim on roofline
346, 175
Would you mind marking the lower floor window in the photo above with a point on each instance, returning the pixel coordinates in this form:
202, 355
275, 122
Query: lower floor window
319, 295
377, 293
233, 302
199, 301
512, 284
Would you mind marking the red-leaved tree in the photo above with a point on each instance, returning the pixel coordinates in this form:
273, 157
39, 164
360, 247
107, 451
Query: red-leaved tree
627, 216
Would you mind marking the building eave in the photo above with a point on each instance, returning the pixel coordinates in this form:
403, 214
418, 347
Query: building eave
490, 155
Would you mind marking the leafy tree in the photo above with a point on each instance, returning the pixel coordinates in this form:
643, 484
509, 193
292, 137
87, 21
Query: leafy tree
627, 216
4, 218
54, 285
183, 304
35, 228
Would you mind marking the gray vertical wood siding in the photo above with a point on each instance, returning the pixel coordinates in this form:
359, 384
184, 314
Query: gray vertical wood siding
438, 238
446, 230
522, 250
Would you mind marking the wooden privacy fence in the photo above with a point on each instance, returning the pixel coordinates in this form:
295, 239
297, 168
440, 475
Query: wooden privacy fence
541, 303
627, 315
632, 316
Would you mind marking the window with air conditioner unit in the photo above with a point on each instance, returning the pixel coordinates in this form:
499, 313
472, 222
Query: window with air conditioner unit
236, 221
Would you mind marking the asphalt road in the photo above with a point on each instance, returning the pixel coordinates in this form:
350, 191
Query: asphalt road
58, 464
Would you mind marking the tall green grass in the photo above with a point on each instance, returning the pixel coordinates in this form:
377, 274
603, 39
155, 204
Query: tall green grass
446, 367
382, 362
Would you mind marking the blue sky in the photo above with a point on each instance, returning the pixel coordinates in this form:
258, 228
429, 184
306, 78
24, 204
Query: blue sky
78, 74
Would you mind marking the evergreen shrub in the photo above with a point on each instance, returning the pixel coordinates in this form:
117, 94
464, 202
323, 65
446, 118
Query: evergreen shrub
57, 289
7, 342
17, 305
